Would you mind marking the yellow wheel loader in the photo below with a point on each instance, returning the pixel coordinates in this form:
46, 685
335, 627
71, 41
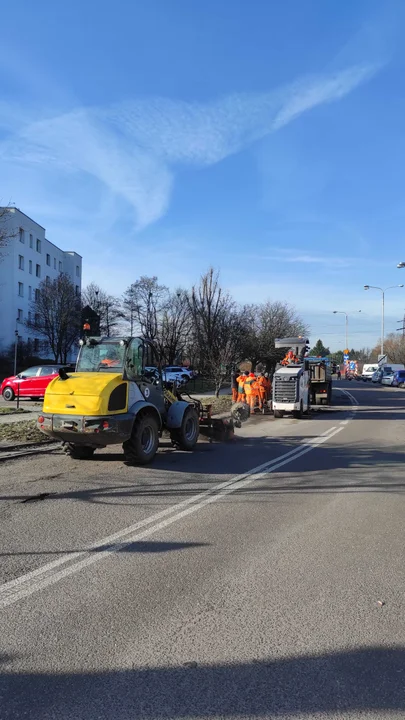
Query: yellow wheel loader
117, 396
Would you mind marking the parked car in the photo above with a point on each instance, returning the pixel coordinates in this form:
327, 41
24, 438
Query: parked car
30, 383
178, 370
398, 379
387, 378
383, 372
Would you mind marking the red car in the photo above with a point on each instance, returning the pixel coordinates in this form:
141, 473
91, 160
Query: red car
30, 383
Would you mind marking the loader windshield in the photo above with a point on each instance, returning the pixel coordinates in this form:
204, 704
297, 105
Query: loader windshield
101, 357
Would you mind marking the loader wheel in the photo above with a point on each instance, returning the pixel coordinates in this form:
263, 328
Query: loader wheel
79, 452
186, 436
143, 444
278, 413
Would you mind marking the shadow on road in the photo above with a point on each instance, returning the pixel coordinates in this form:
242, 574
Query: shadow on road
365, 468
134, 547
369, 679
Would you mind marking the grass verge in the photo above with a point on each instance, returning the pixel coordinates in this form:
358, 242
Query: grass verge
21, 432
12, 411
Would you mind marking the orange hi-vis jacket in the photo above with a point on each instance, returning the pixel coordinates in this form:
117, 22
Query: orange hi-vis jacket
249, 383
241, 382
262, 385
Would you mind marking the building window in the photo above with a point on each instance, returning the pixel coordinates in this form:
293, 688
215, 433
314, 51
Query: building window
21, 289
60, 266
38, 270
77, 290
29, 292
48, 279
30, 266
29, 316
54, 263
21, 234
19, 315
48, 259
38, 245
31, 241
37, 319
21, 262
77, 271
36, 295
36, 345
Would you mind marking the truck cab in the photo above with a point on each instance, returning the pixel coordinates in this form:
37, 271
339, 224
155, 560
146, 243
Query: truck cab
291, 380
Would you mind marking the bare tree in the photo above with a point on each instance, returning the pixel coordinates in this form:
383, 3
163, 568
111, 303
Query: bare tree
144, 301
56, 315
107, 307
263, 324
174, 327
216, 326
5, 234
394, 347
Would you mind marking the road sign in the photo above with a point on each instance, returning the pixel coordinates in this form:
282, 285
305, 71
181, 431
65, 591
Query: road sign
346, 358
382, 359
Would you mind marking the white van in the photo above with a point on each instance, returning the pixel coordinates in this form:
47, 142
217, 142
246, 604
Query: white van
368, 370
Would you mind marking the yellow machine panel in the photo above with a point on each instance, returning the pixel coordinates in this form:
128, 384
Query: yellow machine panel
84, 393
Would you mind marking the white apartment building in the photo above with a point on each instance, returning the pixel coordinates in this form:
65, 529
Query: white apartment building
27, 259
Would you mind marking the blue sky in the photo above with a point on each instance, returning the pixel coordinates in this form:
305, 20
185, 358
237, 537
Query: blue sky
265, 138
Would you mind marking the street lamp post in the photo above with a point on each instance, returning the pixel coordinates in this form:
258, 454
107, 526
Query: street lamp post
382, 291
342, 312
15, 350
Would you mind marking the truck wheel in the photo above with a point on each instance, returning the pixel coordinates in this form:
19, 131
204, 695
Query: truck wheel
79, 452
143, 444
278, 413
186, 436
298, 413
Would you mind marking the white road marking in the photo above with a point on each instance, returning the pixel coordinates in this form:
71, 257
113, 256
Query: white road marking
52, 572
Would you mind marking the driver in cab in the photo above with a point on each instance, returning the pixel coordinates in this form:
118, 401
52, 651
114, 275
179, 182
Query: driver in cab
112, 358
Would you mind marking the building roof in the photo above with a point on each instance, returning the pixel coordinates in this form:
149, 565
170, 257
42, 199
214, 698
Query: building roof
12, 207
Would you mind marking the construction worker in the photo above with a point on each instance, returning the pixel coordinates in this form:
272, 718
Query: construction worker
250, 391
112, 358
261, 385
241, 386
268, 386
234, 379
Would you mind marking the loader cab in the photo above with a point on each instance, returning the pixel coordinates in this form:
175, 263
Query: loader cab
135, 359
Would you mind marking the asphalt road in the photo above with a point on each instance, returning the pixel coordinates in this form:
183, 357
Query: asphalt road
259, 579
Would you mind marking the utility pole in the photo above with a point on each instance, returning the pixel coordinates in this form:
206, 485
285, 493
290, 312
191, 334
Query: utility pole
403, 325
15, 351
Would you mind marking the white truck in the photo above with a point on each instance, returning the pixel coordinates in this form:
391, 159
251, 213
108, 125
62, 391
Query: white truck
291, 381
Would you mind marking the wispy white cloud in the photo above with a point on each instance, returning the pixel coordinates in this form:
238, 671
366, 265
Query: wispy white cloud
133, 148
306, 96
306, 258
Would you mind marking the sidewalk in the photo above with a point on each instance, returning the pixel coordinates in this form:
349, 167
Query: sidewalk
210, 393
19, 417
